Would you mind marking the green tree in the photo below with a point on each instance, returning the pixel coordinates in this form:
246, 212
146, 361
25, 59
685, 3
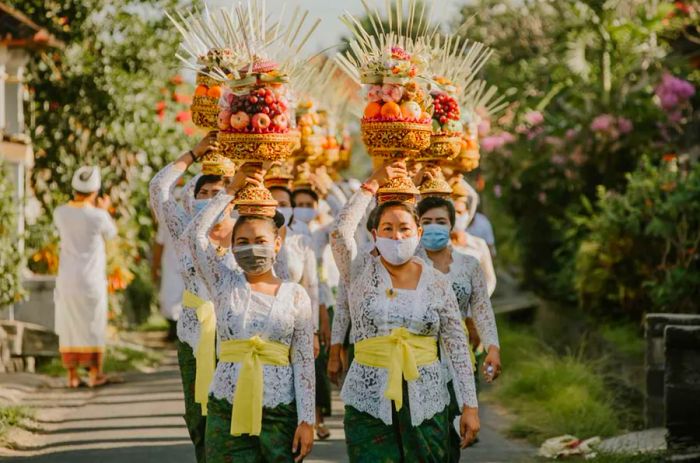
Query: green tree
10, 259
109, 98
582, 78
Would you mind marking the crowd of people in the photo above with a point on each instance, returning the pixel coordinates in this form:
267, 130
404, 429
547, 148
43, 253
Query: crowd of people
391, 301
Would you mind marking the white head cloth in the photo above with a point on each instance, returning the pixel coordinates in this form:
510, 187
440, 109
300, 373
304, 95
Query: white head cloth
87, 179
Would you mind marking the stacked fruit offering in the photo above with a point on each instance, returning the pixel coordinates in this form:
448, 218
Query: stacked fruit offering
445, 113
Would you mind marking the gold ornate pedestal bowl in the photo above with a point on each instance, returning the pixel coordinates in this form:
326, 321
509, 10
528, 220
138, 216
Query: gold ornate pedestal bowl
442, 148
392, 140
257, 147
213, 163
399, 189
436, 187
252, 200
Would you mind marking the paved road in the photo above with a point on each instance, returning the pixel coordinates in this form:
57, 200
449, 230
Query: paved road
140, 421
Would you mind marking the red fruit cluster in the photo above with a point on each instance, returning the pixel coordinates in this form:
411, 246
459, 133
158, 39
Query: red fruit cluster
446, 108
261, 100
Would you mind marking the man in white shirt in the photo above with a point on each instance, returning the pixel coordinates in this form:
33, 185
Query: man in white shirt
80, 296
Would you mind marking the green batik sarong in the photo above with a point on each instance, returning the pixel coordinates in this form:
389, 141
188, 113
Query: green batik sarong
274, 445
194, 420
452, 411
370, 440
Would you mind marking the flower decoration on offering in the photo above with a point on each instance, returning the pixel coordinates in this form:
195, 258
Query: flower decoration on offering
208, 39
392, 66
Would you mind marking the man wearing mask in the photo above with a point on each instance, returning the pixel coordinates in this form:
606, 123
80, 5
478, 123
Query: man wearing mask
80, 296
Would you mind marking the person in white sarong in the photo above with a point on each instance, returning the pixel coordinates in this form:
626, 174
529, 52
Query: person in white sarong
80, 296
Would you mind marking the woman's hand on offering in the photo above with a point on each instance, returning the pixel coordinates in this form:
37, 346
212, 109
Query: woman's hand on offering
248, 173
205, 145
385, 173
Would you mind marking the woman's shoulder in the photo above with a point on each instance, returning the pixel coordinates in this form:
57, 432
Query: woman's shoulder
464, 260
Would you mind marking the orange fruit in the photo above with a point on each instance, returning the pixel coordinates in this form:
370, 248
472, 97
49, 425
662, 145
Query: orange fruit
373, 109
391, 110
201, 90
306, 131
425, 116
214, 92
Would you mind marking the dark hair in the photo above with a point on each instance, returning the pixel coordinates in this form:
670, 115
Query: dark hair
307, 191
279, 218
376, 214
372, 219
434, 202
204, 180
286, 190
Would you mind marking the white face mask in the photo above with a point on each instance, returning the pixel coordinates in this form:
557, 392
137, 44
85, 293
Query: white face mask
304, 214
397, 252
286, 212
462, 221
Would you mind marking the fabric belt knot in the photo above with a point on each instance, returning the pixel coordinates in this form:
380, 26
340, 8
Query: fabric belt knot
401, 353
205, 353
252, 354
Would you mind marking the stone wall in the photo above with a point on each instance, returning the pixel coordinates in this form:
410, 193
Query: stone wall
38, 308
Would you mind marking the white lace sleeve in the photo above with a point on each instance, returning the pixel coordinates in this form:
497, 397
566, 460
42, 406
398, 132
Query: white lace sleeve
209, 265
167, 209
341, 317
454, 339
481, 309
343, 236
188, 195
336, 199
309, 279
302, 356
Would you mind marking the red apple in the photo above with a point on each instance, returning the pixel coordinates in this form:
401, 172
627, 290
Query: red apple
240, 120
281, 121
261, 121
224, 121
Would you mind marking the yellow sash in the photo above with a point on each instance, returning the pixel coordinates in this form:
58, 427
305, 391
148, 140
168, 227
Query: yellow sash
205, 355
252, 354
401, 352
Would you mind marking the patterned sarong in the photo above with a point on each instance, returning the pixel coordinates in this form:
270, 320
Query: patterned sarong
273, 445
196, 423
370, 440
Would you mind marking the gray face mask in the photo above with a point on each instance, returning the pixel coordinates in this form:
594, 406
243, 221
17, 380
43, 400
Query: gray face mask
254, 259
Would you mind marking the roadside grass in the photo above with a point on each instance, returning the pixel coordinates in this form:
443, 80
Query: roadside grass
626, 338
551, 394
118, 359
11, 416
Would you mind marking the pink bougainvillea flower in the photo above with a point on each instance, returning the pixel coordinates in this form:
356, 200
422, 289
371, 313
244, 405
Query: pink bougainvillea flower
484, 127
497, 191
534, 117
624, 125
602, 123
571, 134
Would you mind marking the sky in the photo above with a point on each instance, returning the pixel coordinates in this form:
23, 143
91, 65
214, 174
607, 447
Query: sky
331, 30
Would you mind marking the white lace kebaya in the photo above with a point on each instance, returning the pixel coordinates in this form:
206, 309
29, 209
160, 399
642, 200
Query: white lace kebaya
469, 285
375, 308
176, 219
296, 262
241, 314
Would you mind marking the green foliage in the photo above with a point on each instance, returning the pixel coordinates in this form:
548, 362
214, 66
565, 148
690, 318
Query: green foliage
11, 416
10, 259
641, 248
582, 77
109, 98
552, 394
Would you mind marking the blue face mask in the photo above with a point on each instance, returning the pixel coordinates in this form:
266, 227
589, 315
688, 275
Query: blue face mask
198, 206
435, 236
